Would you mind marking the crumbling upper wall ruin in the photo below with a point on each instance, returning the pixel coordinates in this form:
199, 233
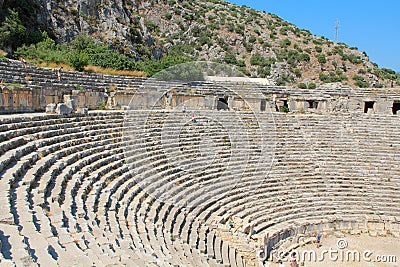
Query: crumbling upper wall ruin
31, 89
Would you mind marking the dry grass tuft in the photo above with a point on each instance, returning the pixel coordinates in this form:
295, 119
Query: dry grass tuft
53, 65
94, 69
108, 71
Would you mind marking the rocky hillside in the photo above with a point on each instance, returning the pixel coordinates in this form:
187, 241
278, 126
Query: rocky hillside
260, 44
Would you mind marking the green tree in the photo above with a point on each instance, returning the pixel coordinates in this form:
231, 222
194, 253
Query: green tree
78, 60
12, 32
152, 67
45, 51
81, 43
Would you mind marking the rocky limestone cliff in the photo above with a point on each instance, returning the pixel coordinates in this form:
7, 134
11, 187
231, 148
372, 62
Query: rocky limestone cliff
104, 19
116, 23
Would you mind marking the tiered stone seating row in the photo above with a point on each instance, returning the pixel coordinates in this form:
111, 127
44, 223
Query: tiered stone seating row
174, 224
156, 189
355, 161
12, 71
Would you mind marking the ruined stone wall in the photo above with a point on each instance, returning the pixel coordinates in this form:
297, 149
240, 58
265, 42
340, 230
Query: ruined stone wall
382, 105
35, 98
122, 99
88, 99
14, 99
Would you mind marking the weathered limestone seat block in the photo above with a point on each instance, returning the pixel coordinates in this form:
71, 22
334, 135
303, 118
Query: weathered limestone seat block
69, 198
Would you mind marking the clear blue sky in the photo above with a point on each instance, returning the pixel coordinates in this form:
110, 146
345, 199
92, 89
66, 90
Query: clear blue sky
371, 25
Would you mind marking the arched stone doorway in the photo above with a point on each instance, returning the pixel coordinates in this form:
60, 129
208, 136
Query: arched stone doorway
222, 103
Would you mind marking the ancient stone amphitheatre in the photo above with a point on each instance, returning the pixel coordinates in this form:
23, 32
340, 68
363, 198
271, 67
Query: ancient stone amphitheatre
158, 180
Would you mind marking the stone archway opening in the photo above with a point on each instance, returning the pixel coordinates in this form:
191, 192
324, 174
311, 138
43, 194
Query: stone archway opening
369, 105
396, 107
312, 104
222, 103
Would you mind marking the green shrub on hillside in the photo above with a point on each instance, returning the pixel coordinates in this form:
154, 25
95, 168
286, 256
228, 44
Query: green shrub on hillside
252, 39
312, 86
384, 73
352, 58
258, 60
239, 29
297, 73
358, 78
273, 36
241, 63
266, 44
285, 43
249, 47
362, 71
362, 84
321, 58
168, 16
303, 57
302, 86
344, 67
317, 41
263, 72
297, 47
113, 60
203, 39
281, 81
230, 58
337, 50
231, 27
283, 31
332, 77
